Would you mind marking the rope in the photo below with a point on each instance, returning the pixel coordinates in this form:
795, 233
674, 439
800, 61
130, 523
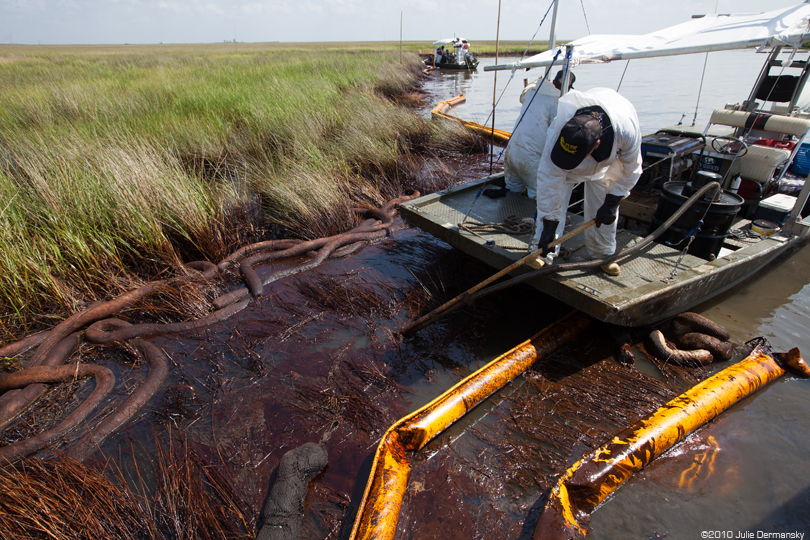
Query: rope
510, 225
586, 17
538, 29
745, 235
623, 74
700, 88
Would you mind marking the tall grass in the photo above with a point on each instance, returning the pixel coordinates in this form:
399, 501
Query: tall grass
118, 161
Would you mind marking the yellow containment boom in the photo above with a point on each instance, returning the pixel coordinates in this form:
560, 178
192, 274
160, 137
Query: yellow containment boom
441, 109
590, 480
382, 500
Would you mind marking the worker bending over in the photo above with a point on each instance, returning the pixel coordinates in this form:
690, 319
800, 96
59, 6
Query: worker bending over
595, 138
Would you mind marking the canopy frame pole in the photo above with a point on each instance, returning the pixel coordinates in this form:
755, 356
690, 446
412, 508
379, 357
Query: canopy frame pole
495, 93
552, 36
566, 82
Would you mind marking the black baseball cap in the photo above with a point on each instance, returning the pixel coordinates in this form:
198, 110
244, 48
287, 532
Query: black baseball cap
559, 78
577, 139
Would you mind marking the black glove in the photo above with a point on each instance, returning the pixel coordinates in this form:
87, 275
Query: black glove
547, 236
607, 212
495, 193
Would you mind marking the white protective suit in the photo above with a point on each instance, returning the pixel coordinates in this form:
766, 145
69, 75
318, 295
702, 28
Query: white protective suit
615, 175
522, 156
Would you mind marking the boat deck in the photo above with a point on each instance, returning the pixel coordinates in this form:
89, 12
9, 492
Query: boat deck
655, 283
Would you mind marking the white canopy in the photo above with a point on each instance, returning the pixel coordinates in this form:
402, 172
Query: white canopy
787, 26
448, 41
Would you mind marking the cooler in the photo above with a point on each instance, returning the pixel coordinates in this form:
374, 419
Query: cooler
775, 208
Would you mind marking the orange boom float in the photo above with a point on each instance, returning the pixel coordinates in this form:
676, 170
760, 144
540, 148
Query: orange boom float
378, 514
590, 480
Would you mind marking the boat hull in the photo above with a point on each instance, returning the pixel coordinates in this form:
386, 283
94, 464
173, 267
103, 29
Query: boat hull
454, 67
655, 284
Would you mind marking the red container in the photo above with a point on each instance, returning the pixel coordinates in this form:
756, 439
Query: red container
787, 145
749, 189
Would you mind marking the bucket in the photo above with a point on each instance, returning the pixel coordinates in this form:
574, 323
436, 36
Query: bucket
717, 219
764, 227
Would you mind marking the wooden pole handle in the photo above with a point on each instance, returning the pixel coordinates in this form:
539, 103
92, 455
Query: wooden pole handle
433, 315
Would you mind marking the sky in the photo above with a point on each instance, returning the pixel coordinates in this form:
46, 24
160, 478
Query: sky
49, 22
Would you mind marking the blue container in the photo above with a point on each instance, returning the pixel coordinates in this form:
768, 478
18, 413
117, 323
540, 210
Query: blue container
801, 163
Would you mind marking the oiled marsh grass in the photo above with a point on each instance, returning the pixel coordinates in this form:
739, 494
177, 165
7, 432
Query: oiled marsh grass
62, 499
118, 162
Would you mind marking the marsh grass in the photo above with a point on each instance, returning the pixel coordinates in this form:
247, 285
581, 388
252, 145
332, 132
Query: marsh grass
177, 497
119, 162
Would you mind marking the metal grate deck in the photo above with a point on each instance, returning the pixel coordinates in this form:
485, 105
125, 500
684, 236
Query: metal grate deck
656, 262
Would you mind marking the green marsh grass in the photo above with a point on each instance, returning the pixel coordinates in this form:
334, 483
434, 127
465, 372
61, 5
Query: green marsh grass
118, 162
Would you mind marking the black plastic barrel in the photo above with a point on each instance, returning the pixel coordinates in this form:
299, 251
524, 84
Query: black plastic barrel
717, 216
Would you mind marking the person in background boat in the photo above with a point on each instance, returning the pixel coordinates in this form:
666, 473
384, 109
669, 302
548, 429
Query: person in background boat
439, 54
594, 139
522, 154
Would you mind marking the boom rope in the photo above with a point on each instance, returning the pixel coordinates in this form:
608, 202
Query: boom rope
98, 325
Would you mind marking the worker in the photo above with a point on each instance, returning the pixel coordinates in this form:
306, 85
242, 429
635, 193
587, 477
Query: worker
595, 139
522, 154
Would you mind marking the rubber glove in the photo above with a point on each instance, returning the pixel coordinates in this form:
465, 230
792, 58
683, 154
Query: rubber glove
547, 236
495, 193
607, 212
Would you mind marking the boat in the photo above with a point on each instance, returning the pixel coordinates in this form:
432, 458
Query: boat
453, 54
750, 148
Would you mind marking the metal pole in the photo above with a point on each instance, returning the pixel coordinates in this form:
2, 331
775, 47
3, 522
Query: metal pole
552, 38
566, 82
495, 93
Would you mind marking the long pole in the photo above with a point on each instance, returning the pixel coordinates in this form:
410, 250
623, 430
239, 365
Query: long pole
442, 310
552, 38
400, 37
494, 93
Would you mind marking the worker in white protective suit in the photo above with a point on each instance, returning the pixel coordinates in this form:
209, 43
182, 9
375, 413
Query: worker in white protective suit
522, 155
595, 138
